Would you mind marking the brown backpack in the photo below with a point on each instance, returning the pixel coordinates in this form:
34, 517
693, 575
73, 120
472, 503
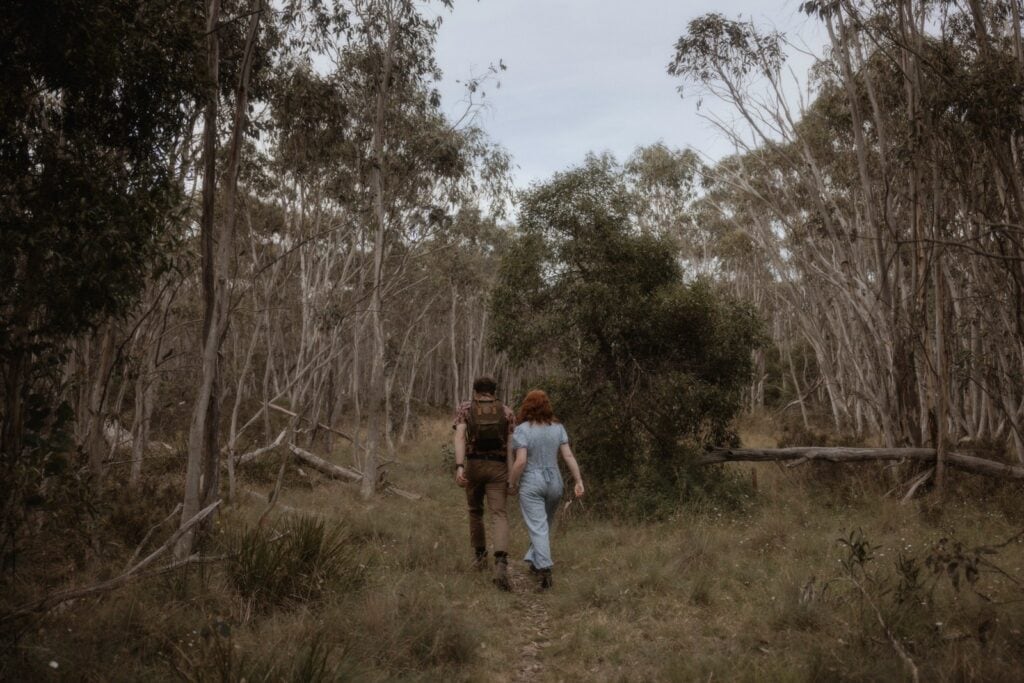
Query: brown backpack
487, 427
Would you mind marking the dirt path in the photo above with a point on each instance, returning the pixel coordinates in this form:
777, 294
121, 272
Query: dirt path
533, 616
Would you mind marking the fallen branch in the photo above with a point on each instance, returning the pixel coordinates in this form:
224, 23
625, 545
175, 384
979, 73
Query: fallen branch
252, 455
52, 600
408, 495
344, 473
321, 425
967, 463
917, 483
149, 534
325, 467
893, 640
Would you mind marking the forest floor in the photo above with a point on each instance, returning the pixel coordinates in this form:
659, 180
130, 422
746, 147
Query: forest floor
766, 592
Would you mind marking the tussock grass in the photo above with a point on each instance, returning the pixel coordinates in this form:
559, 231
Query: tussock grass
305, 559
382, 590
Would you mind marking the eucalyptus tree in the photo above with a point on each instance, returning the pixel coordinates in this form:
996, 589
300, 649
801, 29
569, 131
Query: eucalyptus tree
416, 166
92, 100
886, 211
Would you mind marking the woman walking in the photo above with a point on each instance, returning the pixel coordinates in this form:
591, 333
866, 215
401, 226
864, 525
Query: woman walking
538, 440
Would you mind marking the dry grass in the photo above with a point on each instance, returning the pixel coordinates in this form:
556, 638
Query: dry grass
708, 595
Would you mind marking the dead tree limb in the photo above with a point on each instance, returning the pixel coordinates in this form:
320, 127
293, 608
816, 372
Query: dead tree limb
149, 534
344, 473
136, 571
893, 640
917, 483
325, 467
252, 455
967, 463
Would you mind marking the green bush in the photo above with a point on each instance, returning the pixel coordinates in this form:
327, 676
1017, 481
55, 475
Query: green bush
646, 368
302, 561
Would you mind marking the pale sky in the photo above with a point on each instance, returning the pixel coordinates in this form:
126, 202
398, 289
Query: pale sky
589, 75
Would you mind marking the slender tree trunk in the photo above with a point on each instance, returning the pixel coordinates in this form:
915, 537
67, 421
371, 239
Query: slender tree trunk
454, 349
198, 442
145, 400
376, 389
941, 370
203, 472
95, 445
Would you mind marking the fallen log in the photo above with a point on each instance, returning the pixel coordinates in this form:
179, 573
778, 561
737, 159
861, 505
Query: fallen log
967, 463
321, 465
343, 473
252, 455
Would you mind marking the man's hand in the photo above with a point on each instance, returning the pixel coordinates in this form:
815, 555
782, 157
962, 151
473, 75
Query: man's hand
459, 442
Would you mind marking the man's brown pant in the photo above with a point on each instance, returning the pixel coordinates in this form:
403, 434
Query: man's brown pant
487, 478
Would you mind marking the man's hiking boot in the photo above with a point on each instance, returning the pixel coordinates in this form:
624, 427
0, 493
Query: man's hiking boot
480, 559
501, 571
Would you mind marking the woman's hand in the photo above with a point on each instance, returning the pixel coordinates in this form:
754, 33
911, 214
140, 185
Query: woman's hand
578, 489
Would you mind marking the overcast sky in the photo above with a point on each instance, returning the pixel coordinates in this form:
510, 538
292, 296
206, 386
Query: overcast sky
588, 75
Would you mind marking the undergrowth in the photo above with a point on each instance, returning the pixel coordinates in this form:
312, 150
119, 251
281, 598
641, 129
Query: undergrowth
300, 561
814, 576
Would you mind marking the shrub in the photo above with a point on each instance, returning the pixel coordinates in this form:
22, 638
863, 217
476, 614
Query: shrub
302, 561
647, 368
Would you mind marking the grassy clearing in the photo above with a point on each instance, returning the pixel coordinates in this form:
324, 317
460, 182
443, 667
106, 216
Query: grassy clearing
383, 591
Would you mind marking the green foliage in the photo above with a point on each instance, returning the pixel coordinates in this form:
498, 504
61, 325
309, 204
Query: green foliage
712, 41
927, 601
90, 112
302, 561
646, 367
93, 98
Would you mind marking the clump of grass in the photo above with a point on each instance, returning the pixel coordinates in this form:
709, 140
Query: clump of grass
700, 591
799, 607
301, 561
218, 655
413, 628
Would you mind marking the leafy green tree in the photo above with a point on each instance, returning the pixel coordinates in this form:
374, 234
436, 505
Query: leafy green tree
646, 368
94, 111
92, 108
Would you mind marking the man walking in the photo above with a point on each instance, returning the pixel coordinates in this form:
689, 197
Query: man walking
483, 454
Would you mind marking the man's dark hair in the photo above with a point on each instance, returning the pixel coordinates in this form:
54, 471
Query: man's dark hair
485, 385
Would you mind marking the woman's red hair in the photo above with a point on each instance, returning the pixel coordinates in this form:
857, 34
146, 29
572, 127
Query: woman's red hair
536, 408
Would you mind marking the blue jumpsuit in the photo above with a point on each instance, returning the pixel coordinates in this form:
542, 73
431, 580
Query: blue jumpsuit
540, 488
